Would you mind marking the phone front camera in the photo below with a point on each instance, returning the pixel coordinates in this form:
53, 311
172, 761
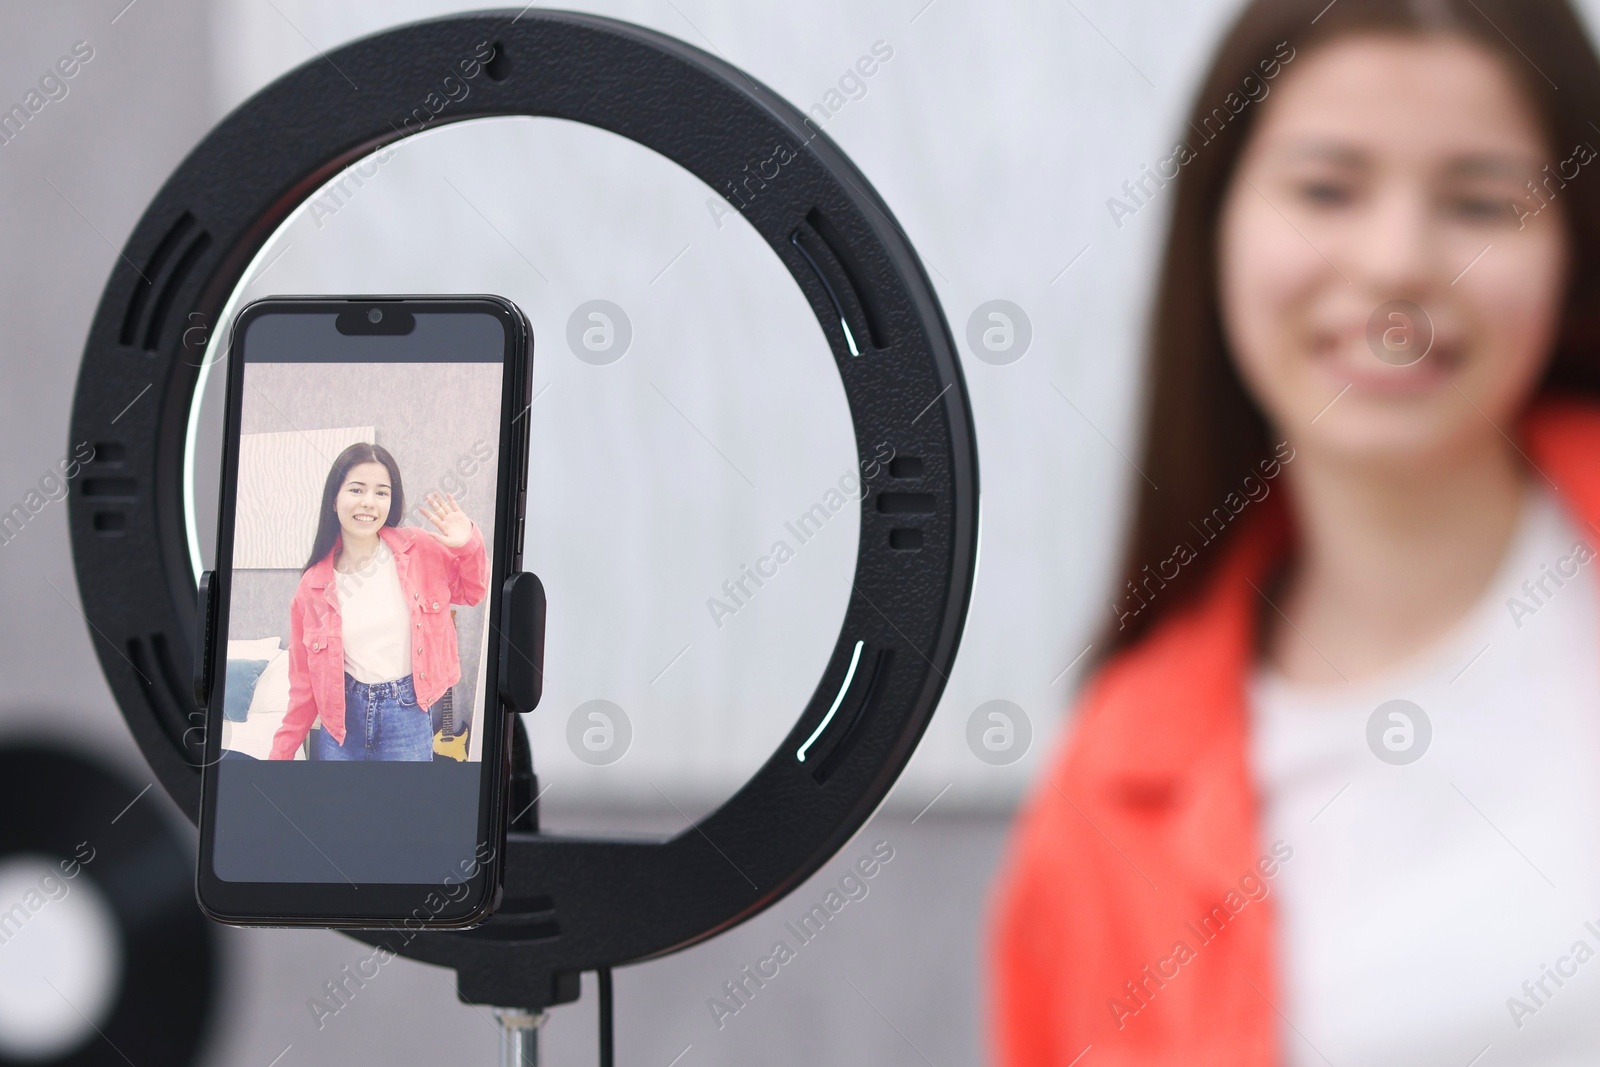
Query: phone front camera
375, 315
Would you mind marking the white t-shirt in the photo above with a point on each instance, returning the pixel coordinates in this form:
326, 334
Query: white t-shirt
376, 621
1422, 896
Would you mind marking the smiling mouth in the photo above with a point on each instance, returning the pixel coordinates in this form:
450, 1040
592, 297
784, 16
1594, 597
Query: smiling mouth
365, 518
1348, 358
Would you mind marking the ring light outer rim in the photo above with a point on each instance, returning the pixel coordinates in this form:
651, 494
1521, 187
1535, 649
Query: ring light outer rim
570, 904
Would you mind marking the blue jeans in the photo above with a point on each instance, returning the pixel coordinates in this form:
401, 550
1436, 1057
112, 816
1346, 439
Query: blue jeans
381, 722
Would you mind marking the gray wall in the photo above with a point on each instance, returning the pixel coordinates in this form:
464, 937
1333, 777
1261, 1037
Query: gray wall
72, 185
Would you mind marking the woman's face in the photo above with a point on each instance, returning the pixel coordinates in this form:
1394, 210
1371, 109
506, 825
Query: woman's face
1390, 288
363, 500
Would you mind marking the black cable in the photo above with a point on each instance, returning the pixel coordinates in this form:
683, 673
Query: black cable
604, 974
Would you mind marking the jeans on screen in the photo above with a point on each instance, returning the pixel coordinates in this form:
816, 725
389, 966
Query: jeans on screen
381, 722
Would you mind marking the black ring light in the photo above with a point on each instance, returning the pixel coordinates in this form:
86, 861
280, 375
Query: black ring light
571, 904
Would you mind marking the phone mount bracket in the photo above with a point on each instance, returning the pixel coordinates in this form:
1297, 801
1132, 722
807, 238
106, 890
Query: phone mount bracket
522, 617
570, 904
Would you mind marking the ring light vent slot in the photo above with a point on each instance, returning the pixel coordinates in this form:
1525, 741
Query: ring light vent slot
906, 503
819, 243
155, 280
906, 538
109, 455
150, 658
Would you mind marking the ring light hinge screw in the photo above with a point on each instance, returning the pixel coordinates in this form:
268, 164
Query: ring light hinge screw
519, 1036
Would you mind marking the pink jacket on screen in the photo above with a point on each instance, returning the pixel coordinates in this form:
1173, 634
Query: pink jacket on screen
432, 578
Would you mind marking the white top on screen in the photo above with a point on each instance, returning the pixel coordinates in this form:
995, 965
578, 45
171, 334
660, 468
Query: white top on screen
377, 644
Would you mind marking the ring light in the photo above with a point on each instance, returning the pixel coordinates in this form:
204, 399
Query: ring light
570, 904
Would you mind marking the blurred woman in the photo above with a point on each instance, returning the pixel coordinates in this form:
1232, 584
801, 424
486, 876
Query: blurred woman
1333, 792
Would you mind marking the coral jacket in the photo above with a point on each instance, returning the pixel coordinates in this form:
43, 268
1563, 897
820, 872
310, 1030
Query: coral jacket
1124, 918
432, 577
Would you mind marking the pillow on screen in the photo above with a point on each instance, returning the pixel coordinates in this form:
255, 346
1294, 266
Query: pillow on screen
272, 688
240, 687
258, 648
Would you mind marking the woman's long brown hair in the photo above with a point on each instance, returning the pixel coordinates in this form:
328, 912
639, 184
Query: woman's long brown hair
1203, 434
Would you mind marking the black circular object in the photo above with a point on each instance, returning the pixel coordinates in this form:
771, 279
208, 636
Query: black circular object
71, 810
570, 904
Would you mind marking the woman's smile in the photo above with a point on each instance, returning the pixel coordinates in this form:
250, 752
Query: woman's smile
1386, 360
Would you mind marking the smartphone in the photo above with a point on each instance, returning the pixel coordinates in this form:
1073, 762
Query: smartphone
375, 461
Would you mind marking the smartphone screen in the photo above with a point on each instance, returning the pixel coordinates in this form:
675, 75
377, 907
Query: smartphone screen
374, 460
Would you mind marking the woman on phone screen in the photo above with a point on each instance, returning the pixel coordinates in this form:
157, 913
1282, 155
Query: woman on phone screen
372, 645
1332, 794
